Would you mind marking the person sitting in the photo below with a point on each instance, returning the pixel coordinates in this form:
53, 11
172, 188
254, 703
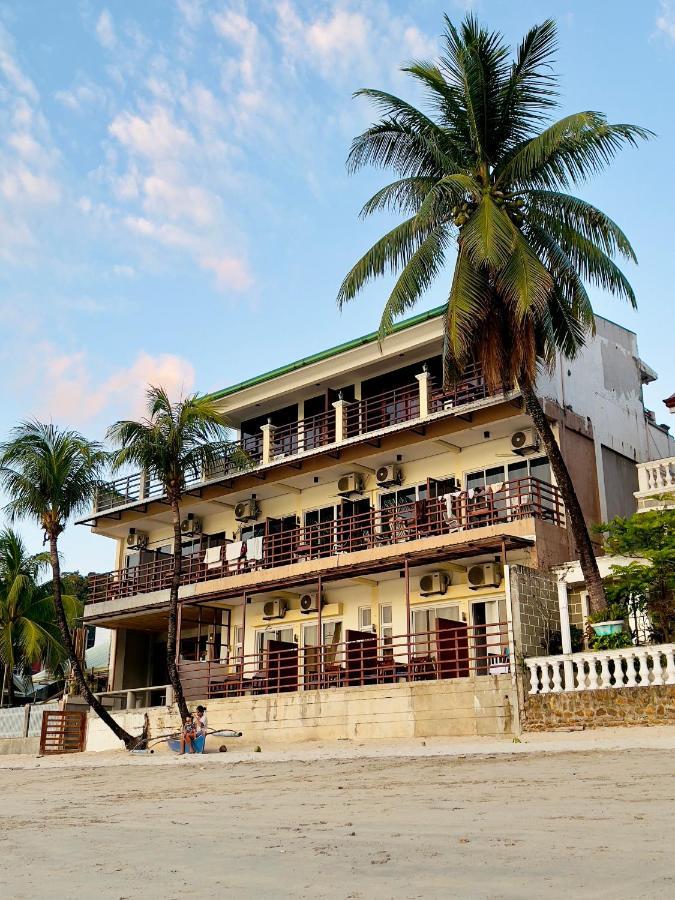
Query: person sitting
201, 723
188, 735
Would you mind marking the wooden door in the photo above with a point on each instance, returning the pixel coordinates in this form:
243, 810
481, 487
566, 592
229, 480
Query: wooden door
282, 666
452, 648
361, 657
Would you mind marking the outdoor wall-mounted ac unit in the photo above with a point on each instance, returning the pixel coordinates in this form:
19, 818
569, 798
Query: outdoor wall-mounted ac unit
350, 484
309, 603
191, 526
275, 609
434, 583
387, 475
137, 540
484, 575
246, 510
524, 442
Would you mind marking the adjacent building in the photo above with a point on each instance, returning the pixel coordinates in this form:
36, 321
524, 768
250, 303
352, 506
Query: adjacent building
378, 565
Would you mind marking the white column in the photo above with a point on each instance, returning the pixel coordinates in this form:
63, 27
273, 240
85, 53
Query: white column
340, 407
423, 379
268, 443
534, 680
630, 668
565, 634
643, 669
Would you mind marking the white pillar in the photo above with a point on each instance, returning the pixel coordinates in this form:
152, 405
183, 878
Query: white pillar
340, 407
563, 607
268, 443
423, 379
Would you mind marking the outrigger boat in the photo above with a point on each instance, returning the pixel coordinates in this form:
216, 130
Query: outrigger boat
173, 740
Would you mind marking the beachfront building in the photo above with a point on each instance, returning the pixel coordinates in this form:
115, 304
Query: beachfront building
379, 566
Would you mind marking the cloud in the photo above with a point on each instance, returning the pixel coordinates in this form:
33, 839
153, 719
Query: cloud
153, 137
72, 393
83, 95
29, 160
192, 11
229, 271
105, 30
364, 39
665, 21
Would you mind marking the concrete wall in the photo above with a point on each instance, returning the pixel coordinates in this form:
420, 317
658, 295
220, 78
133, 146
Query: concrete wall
484, 705
534, 601
29, 746
621, 482
654, 705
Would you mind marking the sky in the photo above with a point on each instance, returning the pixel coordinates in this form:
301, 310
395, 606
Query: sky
174, 203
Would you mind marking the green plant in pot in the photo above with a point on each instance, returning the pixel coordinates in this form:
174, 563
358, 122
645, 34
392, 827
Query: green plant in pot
608, 621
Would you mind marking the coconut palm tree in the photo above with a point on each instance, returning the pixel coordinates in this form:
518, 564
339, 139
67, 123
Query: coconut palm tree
175, 440
28, 629
50, 475
487, 171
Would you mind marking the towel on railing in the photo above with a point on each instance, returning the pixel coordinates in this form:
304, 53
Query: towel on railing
212, 557
233, 551
450, 518
255, 548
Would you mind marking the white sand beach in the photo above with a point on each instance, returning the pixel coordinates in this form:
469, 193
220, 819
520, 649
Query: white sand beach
587, 814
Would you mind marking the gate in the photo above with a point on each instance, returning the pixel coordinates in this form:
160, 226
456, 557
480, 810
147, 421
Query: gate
63, 732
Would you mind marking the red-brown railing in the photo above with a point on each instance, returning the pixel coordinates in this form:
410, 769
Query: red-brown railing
384, 410
469, 389
305, 434
462, 511
234, 457
452, 650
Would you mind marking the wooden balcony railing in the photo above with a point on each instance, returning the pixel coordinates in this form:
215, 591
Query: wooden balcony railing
452, 650
462, 511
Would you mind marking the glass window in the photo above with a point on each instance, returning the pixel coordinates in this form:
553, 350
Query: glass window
539, 468
386, 628
475, 480
365, 618
424, 625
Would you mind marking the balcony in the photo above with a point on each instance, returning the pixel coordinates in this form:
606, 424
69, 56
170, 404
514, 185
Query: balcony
345, 421
458, 512
656, 483
452, 650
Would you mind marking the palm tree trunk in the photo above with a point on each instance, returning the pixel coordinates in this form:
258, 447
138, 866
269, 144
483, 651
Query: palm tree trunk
174, 676
75, 664
575, 516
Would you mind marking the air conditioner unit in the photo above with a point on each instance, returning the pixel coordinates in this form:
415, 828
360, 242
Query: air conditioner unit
484, 575
191, 526
387, 475
137, 540
350, 484
309, 603
524, 442
434, 583
246, 510
275, 609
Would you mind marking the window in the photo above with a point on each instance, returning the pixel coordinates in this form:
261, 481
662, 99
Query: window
386, 626
263, 638
251, 531
424, 624
238, 646
522, 468
319, 528
89, 637
365, 618
191, 547
332, 636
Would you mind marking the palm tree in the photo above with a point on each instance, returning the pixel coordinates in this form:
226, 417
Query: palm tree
487, 169
175, 440
50, 475
28, 629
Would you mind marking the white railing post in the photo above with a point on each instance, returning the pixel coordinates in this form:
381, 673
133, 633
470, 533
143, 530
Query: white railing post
340, 407
534, 677
643, 669
267, 443
631, 680
557, 677
423, 379
669, 653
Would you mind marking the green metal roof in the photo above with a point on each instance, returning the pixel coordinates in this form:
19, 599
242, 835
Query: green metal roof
326, 354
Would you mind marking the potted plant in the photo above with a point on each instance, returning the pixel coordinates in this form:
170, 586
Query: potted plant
609, 620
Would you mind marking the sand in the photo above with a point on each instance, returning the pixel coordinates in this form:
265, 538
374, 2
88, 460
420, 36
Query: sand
586, 815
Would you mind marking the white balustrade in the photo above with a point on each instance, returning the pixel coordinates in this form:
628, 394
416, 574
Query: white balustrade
602, 669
